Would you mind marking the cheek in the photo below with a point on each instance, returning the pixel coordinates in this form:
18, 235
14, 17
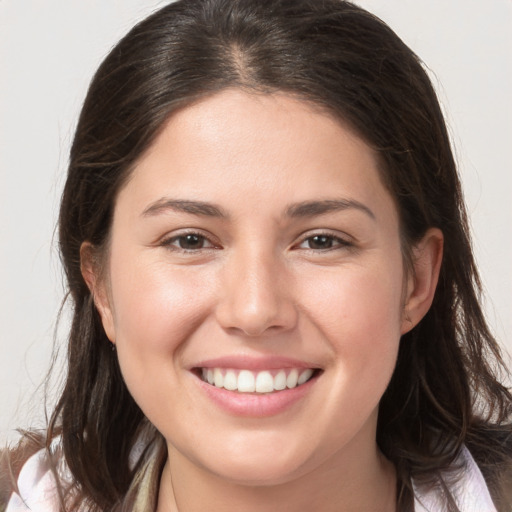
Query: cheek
358, 312
356, 301
156, 305
156, 308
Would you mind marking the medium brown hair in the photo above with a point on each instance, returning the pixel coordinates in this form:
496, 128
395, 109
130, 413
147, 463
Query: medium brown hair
345, 60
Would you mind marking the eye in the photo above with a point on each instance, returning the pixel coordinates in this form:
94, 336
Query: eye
188, 242
323, 242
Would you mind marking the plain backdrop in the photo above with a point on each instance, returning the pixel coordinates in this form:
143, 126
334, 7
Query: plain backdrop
48, 53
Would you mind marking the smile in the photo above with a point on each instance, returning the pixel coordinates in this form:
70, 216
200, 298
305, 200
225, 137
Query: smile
247, 381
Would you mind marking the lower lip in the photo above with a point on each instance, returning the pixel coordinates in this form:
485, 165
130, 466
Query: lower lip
256, 405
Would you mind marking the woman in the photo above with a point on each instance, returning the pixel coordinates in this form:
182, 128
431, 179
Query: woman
275, 300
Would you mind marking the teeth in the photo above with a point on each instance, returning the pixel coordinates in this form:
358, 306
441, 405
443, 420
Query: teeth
218, 378
230, 380
293, 377
280, 381
264, 383
246, 381
305, 376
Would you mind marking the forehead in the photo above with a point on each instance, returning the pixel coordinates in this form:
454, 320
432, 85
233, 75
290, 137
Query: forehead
258, 147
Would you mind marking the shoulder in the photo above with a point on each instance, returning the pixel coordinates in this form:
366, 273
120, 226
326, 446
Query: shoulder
466, 484
36, 487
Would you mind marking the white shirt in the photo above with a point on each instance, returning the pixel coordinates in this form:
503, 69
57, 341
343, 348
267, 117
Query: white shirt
38, 490
470, 491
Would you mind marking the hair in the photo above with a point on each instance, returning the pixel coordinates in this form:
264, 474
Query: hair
445, 392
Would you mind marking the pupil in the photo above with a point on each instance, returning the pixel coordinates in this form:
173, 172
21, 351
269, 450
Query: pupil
321, 242
191, 242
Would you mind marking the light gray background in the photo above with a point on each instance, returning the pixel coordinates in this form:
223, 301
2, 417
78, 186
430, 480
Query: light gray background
48, 53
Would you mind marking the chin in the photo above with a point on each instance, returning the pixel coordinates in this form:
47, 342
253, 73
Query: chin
260, 474
258, 464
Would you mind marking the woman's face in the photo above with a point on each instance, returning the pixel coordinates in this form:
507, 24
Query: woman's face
255, 245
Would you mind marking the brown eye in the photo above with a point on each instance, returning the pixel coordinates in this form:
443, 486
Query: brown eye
323, 242
188, 242
191, 242
320, 242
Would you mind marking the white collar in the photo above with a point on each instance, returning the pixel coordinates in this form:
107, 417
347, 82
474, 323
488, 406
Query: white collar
470, 491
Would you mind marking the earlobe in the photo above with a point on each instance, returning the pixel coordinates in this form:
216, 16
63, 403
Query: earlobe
422, 283
95, 281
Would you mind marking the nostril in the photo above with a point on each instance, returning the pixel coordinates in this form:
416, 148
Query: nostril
255, 320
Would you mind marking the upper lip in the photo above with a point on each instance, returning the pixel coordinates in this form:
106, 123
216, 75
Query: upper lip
254, 363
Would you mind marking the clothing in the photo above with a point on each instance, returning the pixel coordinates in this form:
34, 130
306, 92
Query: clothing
470, 491
38, 492
36, 487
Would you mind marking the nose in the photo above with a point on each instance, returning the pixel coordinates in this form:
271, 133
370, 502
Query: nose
256, 296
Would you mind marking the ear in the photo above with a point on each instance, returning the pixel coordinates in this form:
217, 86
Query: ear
95, 280
421, 284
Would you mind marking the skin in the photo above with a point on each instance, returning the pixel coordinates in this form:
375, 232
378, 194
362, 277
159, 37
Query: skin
260, 284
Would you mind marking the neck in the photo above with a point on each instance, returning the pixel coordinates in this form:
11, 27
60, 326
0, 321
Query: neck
366, 482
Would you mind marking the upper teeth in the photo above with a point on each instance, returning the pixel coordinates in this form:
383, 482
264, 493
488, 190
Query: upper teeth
246, 381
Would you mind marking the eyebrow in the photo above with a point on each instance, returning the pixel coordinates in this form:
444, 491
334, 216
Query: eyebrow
313, 208
303, 209
184, 206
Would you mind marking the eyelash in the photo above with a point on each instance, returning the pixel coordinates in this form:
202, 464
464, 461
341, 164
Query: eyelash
336, 242
168, 242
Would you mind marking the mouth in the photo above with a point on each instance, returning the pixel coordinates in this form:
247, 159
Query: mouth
256, 382
256, 387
